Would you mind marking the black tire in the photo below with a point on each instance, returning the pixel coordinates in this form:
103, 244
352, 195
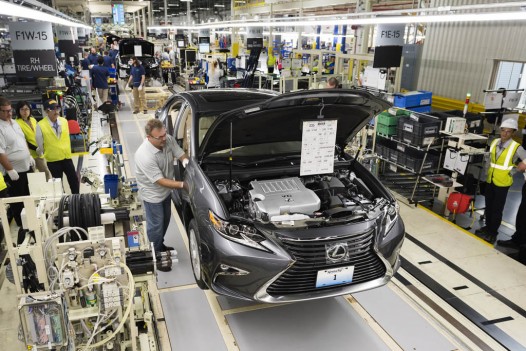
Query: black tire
194, 244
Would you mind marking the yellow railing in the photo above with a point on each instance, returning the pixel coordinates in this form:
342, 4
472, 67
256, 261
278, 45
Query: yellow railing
443, 103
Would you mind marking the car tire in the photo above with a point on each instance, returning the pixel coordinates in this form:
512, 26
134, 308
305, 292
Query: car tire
194, 243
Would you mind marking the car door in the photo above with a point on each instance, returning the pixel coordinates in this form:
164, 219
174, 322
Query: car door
182, 129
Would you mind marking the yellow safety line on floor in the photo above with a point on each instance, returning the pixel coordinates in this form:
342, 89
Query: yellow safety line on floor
176, 288
260, 306
453, 224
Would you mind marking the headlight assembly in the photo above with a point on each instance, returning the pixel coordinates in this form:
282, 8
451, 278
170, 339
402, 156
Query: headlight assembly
391, 216
241, 233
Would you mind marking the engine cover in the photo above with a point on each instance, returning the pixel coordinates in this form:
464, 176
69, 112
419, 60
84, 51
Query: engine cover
269, 198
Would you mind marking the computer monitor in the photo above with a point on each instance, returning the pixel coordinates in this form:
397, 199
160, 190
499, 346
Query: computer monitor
180, 43
204, 48
387, 56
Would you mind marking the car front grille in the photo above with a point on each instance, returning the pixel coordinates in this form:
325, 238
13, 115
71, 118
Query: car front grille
310, 256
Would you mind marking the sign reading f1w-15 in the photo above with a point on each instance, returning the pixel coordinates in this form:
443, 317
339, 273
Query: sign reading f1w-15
33, 49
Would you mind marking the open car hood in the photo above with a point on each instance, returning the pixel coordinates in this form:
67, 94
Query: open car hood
281, 118
127, 47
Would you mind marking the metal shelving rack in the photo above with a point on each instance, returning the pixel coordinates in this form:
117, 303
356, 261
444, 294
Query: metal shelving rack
410, 184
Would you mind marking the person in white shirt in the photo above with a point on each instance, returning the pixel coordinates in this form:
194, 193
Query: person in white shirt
154, 171
214, 75
15, 159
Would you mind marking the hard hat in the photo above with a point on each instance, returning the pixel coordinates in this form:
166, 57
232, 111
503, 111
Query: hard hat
510, 123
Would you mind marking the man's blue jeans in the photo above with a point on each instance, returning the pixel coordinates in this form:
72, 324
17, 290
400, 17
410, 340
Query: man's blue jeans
157, 220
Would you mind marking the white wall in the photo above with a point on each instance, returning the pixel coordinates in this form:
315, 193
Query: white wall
458, 58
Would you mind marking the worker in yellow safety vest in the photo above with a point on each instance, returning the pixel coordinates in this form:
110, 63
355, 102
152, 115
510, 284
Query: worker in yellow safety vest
28, 123
503, 154
52, 135
271, 61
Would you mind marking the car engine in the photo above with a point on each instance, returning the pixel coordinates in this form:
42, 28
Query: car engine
271, 198
323, 197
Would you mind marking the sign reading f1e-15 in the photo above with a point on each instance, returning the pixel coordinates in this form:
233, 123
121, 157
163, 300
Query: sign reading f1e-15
33, 49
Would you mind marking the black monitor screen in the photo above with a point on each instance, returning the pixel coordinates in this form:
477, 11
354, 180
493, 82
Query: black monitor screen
387, 56
190, 56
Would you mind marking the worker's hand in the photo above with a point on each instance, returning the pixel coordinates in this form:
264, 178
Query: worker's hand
140, 87
521, 167
32, 162
13, 174
185, 162
185, 186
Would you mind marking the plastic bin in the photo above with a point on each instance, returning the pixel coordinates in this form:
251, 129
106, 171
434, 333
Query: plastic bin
415, 139
423, 109
396, 157
386, 130
387, 119
423, 127
414, 158
111, 185
413, 98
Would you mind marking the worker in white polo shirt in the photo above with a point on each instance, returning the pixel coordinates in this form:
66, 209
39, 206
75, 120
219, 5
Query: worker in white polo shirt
154, 170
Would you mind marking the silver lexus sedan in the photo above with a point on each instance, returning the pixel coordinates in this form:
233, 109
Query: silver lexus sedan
275, 209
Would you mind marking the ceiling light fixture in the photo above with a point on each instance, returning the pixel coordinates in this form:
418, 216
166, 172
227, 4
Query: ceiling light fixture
430, 15
219, 5
9, 9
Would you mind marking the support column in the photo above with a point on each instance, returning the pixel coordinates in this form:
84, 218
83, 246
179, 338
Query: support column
150, 14
165, 12
144, 23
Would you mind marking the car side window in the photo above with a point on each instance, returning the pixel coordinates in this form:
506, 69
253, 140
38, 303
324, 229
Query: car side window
184, 129
204, 125
174, 111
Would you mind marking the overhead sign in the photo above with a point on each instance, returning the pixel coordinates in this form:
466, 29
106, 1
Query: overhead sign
67, 42
66, 33
118, 13
390, 34
35, 63
255, 32
31, 36
82, 36
204, 32
33, 49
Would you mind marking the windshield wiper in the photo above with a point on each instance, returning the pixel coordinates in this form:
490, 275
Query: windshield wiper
273, 159
224, 162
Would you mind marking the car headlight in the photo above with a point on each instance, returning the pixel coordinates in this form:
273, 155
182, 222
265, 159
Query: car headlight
241, 233
391, 216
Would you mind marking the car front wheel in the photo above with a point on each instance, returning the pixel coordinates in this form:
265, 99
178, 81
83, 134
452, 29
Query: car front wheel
195, 254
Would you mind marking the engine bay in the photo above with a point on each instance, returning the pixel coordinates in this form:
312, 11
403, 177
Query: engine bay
340, 196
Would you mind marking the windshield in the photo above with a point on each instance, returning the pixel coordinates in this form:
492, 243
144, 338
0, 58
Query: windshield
260, 151
204, 124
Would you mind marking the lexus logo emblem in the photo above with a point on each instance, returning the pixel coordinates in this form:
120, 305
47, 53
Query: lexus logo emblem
337, 252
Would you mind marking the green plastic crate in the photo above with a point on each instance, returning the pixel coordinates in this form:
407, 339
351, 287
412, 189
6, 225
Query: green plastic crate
386, 130
387, 119
398, 112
